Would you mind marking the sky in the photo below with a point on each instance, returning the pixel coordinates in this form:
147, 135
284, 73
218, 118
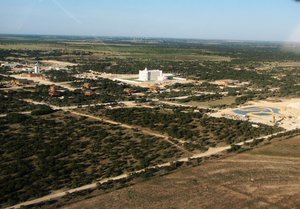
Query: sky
265, 20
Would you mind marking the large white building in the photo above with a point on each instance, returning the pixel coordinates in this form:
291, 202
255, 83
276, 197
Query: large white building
150, 75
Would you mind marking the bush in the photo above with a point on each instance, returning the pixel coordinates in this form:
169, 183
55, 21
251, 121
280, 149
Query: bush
42, 110
234, 148
16, 118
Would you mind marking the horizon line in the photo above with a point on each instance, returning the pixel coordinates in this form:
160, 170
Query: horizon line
149, 37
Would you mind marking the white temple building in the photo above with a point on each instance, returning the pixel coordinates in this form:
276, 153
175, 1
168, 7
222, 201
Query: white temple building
150, 75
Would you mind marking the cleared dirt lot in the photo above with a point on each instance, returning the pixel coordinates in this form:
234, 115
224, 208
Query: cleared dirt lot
288, 116
268, 177
44, 81
55, 63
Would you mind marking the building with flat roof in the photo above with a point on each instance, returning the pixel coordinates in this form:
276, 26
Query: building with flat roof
150, 75
37, 68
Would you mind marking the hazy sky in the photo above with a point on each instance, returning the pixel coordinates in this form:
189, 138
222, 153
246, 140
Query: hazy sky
201, 19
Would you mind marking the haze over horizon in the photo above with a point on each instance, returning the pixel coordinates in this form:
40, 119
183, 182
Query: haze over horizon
258, 20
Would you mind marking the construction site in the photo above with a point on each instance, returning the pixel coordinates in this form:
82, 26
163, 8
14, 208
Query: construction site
281, 112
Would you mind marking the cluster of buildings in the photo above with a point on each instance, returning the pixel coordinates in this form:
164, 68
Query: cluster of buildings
53, 91
87, 89
35, 70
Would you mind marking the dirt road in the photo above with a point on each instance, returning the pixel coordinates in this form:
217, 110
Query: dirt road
266, 177
183, 105
57, 194
141, 129
25, 113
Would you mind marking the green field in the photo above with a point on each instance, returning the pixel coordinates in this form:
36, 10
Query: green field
122, 51
224, 101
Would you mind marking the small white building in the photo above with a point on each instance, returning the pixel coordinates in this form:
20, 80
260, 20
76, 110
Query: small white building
37, 68
150, 75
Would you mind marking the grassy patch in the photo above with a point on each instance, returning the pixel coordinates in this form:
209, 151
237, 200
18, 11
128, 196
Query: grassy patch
287, 148
224, 101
